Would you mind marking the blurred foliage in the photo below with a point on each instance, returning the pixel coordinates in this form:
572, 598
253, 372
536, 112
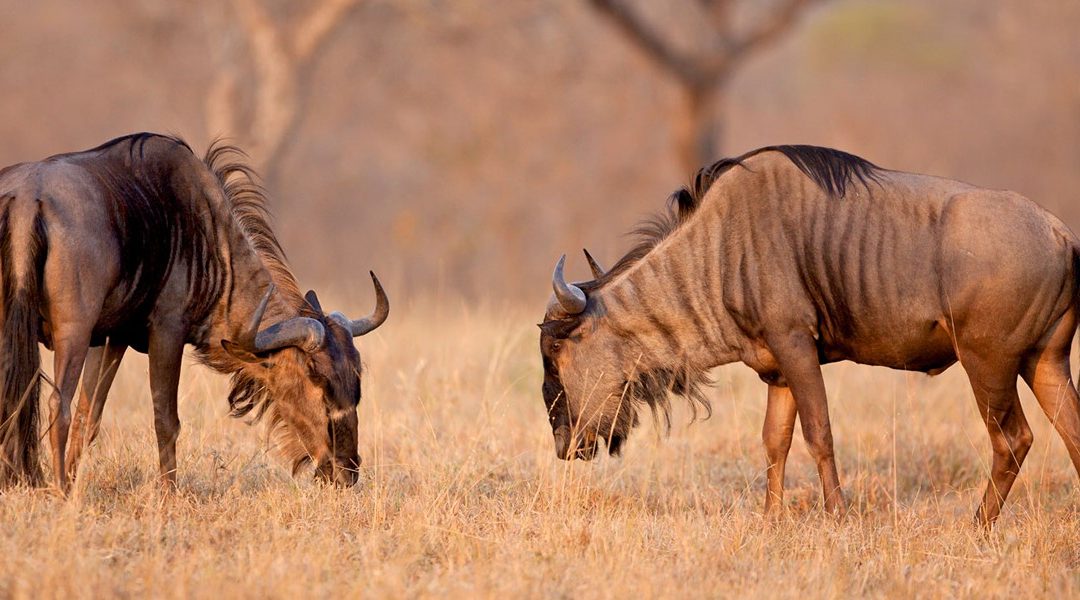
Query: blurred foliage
885, 34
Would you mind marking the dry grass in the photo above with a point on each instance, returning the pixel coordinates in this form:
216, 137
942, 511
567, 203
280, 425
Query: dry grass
461, 494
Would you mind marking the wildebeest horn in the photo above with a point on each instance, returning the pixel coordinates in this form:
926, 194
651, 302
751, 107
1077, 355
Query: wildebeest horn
570, 296
302, 332
247, 338
369, 323
597, 270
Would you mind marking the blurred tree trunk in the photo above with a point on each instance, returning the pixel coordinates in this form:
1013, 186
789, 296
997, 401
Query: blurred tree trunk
276, 67
702, 73
698, 127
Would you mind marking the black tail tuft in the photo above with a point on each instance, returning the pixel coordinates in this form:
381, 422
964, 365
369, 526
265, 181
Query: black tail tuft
20, 358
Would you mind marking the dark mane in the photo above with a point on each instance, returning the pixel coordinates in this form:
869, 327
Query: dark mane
680, 206
248, 205
832, 170
136, 144
138, 140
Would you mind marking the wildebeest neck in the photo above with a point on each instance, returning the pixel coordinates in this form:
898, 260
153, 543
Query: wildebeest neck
660, 307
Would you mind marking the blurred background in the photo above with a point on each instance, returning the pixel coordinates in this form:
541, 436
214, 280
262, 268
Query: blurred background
458, 147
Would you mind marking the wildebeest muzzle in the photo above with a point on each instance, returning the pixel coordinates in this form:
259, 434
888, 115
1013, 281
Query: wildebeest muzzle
340, 472
568, 446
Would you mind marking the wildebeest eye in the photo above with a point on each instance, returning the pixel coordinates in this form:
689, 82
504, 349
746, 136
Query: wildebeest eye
556, 345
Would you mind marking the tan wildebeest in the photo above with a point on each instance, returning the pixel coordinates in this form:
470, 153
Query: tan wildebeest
138, 243
789, 257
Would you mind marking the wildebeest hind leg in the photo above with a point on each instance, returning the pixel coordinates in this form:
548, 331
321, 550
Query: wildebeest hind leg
98, 373
797, 357
779, 425
1047, 374
70, 353
994, 386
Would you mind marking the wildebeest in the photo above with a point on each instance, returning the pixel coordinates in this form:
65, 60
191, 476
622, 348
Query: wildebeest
138, 243
789, 257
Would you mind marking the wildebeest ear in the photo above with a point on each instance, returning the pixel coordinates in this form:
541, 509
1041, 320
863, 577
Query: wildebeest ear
594, 266
313, 300
239, 352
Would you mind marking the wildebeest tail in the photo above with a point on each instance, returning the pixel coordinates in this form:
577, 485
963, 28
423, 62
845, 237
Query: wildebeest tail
19, 354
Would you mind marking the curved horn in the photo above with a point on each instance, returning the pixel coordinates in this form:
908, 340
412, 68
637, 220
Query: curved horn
247, 338
570, 296
597, 270
303, 332
371, 322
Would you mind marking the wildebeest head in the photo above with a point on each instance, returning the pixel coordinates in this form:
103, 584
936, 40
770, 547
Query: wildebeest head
597, 372
306, 373
587, 385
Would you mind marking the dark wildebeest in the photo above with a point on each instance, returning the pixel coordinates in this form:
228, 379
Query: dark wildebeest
789, 257
138, 243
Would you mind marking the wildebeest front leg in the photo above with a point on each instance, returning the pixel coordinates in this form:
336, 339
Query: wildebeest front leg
67, 364
797, 358
98, 373
166, 354
779, 425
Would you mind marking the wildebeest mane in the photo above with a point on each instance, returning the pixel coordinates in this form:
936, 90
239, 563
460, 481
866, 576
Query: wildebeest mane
136, 143
248, 205
832, 170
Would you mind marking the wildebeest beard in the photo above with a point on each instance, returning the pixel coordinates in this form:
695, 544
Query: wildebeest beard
250, 396
654, 389
649, 387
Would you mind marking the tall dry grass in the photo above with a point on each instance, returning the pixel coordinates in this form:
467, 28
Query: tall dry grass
461, 494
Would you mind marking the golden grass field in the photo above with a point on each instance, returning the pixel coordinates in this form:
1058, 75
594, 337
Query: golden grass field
461, 494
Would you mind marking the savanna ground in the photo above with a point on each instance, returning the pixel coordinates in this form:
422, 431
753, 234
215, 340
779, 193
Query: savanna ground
461, 494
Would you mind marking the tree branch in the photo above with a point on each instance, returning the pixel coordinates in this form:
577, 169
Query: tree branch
314, 29
771, 28
282, 64
702, 72
220, 100
275, 89
687, 69
719, 12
